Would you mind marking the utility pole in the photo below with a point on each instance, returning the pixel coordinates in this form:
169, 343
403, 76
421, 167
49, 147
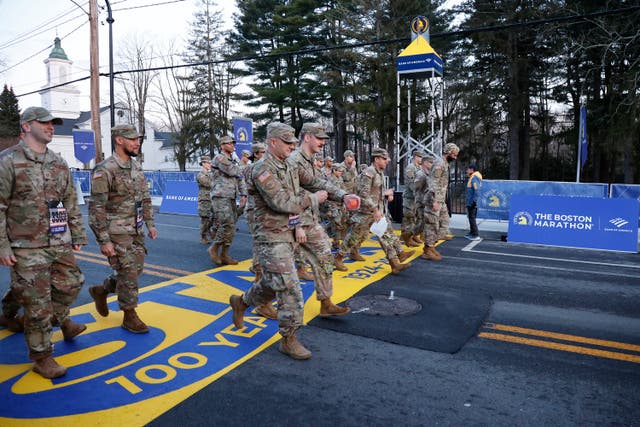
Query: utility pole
95, 78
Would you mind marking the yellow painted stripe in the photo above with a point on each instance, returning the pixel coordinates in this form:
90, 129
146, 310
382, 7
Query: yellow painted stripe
561, 347
145, 271
157, 267
564, 337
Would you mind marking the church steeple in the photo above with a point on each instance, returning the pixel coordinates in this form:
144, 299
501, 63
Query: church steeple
58, 52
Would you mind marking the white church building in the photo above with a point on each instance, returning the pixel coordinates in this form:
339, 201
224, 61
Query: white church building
63, 102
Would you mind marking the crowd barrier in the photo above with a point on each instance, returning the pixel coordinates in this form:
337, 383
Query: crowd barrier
156, 180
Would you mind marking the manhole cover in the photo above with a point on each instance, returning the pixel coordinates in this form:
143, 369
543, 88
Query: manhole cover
382, 305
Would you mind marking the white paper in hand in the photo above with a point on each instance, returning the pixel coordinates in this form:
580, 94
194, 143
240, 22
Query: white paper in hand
379, 227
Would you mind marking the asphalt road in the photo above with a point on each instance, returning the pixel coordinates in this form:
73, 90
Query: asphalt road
560, 344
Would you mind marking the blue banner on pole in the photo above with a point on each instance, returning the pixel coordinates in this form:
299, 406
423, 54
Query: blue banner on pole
578, 222
583, 135
84, 145
243, 134
180, 197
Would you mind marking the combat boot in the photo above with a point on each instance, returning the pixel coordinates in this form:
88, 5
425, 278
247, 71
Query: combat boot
431, 254
225, 258
292, 347
335, 244
238, 306
337, 261
258, 273
355, 255
406, 238
71, 329
396, 266
214, 255
418, 238
14, 324
204, 240
328, 308
49, 368
267, 310
404, 255
132, 322
99, 295
303, 274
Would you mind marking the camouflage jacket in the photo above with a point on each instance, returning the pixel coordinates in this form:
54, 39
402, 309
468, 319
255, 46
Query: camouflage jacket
30, 184
421, 184
371, 189
279, 200
251, 189
311, 179
333, 205
227, 181
409, 178
439, 180
120, 199
350, 178
204, 186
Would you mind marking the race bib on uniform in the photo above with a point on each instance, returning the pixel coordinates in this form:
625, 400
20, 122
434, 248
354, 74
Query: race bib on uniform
294, 220
57, 218
139, 217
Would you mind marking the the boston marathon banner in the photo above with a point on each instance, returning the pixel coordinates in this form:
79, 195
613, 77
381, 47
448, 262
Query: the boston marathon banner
579, 222
494, 198
180, 197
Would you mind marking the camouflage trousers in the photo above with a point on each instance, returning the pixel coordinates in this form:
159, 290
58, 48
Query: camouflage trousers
408, 215
127, 266
45, 281
280, 280
359, 231
251, 222
10, 305
418, 227
226, 213
206, 225
436, 225
317, 252
337, 218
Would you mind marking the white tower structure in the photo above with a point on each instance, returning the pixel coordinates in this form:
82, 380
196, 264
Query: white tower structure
62, 101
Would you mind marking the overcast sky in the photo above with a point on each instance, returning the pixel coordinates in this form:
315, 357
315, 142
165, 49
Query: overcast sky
28, 28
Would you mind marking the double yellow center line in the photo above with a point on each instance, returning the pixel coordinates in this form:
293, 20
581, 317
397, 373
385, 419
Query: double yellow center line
515, 334
151, 269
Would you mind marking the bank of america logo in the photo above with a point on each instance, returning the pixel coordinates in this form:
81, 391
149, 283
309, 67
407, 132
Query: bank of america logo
619, 222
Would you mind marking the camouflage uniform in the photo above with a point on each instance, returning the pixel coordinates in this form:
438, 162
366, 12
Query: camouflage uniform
120, 205
39, 222
371, 191
437, 221
227, 184
204, 200
317, 249
408, 200
337, 216
250, 207
421, 187
278, 202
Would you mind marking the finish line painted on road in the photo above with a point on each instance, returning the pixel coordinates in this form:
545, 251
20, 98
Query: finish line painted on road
118, 378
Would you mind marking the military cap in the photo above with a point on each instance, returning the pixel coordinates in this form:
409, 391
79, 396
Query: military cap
419, 153
205, 159
428, 158
39, 114
258, 147
328, 159
315, 129
246, 153
450, 148
318, 157
380, 152
227, 140
338, 167
125, 131
349, 153
281, 131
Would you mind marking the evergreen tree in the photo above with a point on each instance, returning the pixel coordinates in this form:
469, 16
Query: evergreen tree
9, 114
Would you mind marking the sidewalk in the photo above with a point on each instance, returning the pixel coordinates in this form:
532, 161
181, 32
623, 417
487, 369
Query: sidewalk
488, 228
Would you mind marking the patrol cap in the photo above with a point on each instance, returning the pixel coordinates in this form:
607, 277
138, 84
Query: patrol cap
419, 153
258, 147
315, 129
428, 158
328, 159
349, 153
318, 157
281, 131
338, 167
472, 166
227, 140
125, 131
450, 148
380, 152
39, 114
205, 159
246, 153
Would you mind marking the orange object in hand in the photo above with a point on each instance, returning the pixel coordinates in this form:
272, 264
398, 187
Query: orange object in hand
352, 202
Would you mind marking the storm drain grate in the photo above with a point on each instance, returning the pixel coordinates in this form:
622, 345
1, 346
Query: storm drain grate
383, 305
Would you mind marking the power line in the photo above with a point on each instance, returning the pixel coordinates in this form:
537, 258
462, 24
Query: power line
455, 33
148, 5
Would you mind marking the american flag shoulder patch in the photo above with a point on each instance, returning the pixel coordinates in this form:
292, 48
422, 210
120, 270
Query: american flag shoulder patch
97, 175
264, 176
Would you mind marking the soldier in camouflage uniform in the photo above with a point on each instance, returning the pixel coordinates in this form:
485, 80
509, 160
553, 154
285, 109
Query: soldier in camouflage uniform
315, 245
372, 191
436, 214
421, 187
228, 183
409, 202
204, 200
9, 317
40, 227
336, 212
350, 174
120, 206
279, 202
